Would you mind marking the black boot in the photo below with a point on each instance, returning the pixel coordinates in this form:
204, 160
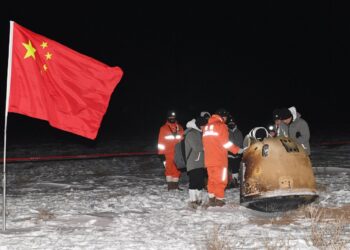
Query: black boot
170, 186
176, 186
219, 202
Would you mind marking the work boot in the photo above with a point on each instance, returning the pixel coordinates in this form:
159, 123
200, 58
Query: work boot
219, 202
171, 186
176, 186
193, 204
212, 202
233, 184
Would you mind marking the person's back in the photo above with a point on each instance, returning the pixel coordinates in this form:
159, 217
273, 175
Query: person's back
195, 159
194, 146
216, 144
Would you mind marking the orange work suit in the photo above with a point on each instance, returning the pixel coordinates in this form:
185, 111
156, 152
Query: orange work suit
216, 143
169, 135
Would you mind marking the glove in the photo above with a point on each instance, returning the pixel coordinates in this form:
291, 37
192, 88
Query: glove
242, 150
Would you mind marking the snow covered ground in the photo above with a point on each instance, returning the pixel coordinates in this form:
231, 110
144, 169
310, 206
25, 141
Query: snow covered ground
122, 203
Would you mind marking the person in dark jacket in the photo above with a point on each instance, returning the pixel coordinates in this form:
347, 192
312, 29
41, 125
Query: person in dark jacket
234, 160
195, 159
274, 129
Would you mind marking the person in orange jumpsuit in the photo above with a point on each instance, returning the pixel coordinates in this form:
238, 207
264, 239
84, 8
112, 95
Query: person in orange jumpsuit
216, 146
170, 134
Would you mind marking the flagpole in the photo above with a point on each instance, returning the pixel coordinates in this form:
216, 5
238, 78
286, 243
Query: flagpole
9, 68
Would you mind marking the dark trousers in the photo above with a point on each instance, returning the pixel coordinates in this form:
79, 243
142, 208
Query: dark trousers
233, 164
196, 178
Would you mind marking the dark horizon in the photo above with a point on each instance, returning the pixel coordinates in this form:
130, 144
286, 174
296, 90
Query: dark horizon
247, 58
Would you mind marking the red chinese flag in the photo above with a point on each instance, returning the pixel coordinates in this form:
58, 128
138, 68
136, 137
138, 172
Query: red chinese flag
54, 83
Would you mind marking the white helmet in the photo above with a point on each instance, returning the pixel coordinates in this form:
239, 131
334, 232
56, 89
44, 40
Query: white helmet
205, 114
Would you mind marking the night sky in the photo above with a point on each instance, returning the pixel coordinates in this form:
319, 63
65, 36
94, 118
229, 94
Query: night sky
248, 57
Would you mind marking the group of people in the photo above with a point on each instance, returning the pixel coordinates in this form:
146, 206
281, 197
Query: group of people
219, 137
216, 135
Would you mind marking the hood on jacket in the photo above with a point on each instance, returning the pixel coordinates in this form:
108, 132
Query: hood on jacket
294, 112
192, 124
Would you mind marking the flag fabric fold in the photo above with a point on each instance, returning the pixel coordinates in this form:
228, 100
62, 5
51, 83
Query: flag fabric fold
52, 82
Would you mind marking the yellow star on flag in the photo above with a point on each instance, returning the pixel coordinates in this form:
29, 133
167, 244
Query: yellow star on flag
45, 67
44, 45
30, 50
48, 56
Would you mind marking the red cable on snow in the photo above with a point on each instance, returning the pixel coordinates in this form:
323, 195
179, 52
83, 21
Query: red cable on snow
75, 157
106, 155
